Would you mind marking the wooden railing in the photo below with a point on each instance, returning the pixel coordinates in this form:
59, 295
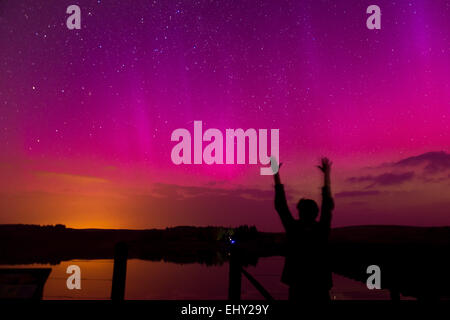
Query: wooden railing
235, 279
235, 275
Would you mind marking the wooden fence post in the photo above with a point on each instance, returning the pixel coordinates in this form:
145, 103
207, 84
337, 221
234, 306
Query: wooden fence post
120, 271
235, 276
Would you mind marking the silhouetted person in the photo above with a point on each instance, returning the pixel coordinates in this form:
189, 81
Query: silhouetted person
306, 269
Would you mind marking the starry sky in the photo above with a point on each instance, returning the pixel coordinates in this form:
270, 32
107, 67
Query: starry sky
86, 115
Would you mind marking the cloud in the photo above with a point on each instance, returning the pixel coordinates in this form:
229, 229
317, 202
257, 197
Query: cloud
385, 179
178, 192
172, 204
348, 194
436, 161
439, 179
70, 178
69, 183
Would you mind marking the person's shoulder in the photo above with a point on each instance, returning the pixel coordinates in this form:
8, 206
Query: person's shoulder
296, 224
320, 226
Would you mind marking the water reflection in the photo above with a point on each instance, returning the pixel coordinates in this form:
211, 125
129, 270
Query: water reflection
165, 280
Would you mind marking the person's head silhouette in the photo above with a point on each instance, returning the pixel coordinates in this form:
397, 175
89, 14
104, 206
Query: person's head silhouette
308, 210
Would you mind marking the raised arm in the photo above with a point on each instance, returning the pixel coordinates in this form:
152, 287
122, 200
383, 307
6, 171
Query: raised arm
281, 203
327, 199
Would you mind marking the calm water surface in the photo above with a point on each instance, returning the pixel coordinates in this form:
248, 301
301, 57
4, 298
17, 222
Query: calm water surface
165, 280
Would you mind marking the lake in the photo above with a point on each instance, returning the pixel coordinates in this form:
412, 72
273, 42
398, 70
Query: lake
165, 280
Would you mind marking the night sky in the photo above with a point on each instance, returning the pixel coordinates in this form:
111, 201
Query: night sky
86, 115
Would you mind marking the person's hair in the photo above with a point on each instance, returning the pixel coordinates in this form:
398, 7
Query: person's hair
308, 209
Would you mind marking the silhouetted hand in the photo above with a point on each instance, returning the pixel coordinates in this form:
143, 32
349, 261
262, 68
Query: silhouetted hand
326, 166
326, 169
276, 167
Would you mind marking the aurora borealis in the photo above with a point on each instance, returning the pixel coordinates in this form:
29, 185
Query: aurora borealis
86, 115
